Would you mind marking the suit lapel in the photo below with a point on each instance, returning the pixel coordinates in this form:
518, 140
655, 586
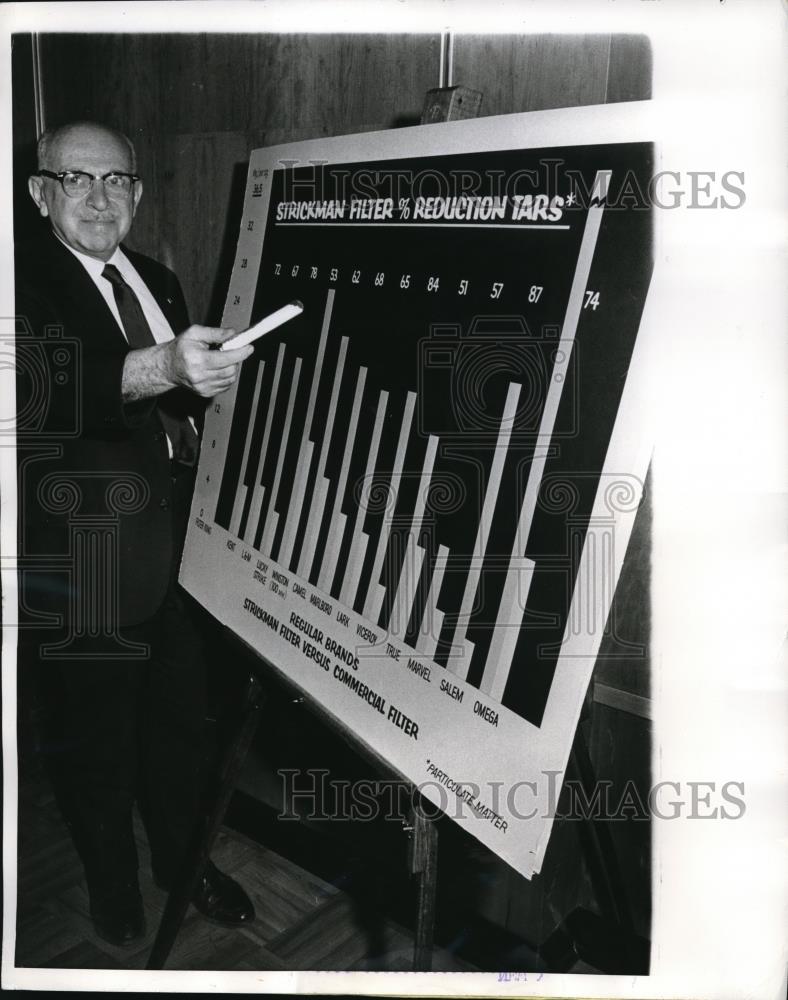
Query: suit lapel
75, 286
75, 289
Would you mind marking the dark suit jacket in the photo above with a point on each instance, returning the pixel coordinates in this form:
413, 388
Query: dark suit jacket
93, 471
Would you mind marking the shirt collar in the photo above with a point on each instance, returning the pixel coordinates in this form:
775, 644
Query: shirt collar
93, 266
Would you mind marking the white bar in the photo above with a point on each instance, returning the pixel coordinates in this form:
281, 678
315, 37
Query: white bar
338, 520
424, 483
259, 490
270, 322
269, 534
255, 510
459, 658
314, 520
561, 365
483, 532
507, 627
296, 503
504, 639
355, 562
336, 533
406, 588
238, 509
409, 574
375, 597
372, 604
240, 496
272, 519
357, 550
427, 642
318, 505
432, 622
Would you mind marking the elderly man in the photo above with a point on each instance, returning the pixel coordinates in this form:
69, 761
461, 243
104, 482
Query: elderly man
105, 485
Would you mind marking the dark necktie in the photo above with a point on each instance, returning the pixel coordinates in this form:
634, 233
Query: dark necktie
178, 429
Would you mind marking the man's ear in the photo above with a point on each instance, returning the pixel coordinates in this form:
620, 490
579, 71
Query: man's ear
35, 185
137, 194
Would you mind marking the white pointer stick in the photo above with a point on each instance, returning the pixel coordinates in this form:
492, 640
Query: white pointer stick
268, 323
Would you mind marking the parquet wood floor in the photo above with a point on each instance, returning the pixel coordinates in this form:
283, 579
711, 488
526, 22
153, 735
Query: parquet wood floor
303, 921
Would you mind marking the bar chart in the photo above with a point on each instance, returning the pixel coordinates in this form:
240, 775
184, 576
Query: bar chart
317, 504
407, 502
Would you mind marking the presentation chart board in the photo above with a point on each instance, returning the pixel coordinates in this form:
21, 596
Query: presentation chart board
416, 500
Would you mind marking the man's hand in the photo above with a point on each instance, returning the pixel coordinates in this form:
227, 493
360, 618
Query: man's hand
187, 361
206, 372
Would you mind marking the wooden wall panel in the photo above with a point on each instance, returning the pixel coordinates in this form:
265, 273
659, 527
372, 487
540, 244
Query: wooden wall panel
177, 96
83, 78
192, 191
24, 127
629, 69
329, 84
532, 72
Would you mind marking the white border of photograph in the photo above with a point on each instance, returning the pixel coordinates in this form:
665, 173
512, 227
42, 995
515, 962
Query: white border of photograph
719, 683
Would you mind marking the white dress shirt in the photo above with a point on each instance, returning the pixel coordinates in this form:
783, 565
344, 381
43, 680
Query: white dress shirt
160, 328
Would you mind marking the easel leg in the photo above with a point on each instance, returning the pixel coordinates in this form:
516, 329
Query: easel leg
180, 896
600, 851
424, 863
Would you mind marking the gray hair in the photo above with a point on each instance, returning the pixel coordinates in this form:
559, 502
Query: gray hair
51, 137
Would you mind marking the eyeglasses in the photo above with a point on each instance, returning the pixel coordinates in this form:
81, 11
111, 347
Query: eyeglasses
77, 183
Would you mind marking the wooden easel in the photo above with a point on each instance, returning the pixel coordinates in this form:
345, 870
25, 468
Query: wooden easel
422, 831
422, 857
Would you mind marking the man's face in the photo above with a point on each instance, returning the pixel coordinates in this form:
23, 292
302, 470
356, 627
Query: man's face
94, 224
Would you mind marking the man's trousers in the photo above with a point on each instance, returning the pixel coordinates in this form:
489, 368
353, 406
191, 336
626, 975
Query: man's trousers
120, 730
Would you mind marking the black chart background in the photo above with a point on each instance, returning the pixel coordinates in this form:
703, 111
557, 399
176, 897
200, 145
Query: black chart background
459, 354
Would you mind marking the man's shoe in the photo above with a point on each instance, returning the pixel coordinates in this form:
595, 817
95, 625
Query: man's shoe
221, 900
117, 913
